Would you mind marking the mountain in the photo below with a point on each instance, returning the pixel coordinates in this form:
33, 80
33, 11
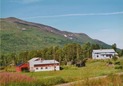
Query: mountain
19, 35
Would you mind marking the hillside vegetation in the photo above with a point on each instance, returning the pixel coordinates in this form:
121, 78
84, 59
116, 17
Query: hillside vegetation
18, 35
68, 54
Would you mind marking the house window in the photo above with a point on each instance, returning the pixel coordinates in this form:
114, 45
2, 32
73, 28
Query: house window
41, 68
36, 68
45, 67
97, 56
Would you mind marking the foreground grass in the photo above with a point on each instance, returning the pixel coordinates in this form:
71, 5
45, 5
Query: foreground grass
93, 68
71, 73
14, 79
110, 80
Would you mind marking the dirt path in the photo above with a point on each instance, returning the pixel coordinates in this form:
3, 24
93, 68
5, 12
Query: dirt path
73, 83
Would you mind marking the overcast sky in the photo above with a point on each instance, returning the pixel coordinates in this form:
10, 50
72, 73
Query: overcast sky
100, 19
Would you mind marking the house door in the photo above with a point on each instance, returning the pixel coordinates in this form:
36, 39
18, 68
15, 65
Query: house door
25, 69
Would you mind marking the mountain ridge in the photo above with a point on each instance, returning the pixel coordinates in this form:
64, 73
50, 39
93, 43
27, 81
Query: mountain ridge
16, 20
20, 33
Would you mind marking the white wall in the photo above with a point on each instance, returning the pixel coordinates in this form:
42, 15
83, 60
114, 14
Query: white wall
31, 66
40, 68
49, 68
100, 56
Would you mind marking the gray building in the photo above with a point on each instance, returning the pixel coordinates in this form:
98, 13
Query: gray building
103, 53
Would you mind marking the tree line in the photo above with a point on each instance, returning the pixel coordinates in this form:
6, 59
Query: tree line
72, 53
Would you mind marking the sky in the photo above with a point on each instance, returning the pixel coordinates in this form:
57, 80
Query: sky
100, 19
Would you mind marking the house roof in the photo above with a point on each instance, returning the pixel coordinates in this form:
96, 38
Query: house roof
46, 62
20, 64
103, 50
40, 61
33, 59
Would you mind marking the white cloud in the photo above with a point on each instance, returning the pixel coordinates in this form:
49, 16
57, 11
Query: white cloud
82, 14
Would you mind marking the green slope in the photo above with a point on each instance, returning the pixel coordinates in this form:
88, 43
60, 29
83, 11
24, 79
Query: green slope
18, 35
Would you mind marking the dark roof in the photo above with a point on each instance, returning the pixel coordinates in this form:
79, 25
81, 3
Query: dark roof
19, 64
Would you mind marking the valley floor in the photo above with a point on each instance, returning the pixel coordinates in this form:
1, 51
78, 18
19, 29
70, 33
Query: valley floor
98, 81
93, 68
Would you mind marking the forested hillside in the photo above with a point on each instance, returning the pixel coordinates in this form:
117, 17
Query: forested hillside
68, 53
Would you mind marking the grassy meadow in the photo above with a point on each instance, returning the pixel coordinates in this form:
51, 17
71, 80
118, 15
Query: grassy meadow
93, 68
110, 80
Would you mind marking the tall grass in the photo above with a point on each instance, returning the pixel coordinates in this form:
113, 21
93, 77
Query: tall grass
9, 79
18, 79
111, 80
93, 68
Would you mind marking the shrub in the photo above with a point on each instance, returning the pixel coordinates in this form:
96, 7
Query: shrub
119, 67
110, 62
117, 63
114, 57
2, 68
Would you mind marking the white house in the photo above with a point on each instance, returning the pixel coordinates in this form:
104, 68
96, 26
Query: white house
103, 54
38, 64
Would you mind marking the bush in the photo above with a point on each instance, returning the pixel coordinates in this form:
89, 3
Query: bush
110, 62
119, 67
2, 68
117, 63
114, 57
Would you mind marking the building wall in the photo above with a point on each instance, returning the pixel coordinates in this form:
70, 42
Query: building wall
46, 68
107, 55
39, 66
19, 68
31, 66
49, 67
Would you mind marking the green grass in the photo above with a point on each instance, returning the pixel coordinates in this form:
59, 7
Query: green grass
110, 80
71, 73
93, 68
